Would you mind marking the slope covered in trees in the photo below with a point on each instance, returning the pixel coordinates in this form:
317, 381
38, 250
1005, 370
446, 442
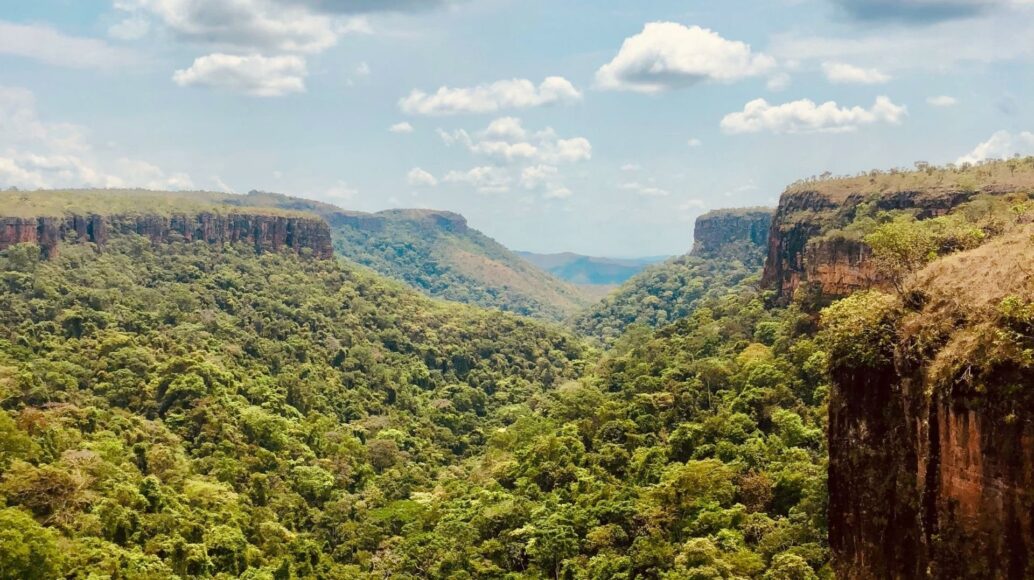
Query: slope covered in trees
184, 409
729, 247
438, 253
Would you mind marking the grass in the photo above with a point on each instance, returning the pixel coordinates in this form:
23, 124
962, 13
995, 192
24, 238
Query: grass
57, 203
999, 176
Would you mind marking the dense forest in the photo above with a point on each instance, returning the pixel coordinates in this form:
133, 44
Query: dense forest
195, 409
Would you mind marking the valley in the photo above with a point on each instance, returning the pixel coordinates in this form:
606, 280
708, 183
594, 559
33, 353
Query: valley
213, 385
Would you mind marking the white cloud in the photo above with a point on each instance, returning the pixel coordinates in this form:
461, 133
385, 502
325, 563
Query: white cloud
485, 179
362, 69
510, 94
1001, 145
645, 190
998, 36
254, 75
942, 101
49, 46
248, 25
506, 141
843, 73
778, 82
538, 175
402, 127
631, 167
419, 178
39, 154
694, 142
668, 55
804, 116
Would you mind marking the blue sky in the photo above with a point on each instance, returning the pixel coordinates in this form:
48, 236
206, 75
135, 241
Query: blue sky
600, 127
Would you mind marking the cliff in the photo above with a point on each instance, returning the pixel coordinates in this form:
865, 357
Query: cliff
264, 232
719, 230
931, 432
805, 247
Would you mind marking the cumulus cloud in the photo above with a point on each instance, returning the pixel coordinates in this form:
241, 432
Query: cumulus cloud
804, 116
485, 179
490, 98
506, 141
49, 46
364, 6
402, 127
842, 73
668, 55
694, 142
942, 101
532, 159
35, 153
254, 75
916, 11
245, 25
419, 178
538, 175
1001, 145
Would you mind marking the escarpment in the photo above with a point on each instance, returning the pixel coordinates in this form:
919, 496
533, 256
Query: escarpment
931, 439
809, 247
264, 232
719, 231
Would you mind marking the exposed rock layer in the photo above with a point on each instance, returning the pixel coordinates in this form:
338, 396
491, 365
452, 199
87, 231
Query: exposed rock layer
264, 232
718, 230
836, 266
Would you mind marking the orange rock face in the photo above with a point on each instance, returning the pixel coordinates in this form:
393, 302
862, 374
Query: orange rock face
264, 232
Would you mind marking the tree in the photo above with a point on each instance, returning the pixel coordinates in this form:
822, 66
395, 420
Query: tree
901, 247
27, 549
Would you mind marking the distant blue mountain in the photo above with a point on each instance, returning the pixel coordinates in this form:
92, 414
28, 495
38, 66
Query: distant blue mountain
590, 270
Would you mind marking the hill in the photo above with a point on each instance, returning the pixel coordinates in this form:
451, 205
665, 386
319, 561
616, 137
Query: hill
182, 407
438, 253
728, 248
589, 270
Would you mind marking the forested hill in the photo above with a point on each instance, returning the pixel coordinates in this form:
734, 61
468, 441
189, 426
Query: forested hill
729, 247
183, 408
438, 253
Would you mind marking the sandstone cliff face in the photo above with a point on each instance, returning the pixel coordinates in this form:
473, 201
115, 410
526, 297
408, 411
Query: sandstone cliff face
931, 468
837, 266
718, 230
264, 232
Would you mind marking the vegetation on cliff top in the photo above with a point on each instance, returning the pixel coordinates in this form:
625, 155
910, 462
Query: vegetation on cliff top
989, 176
438, 254
57, 203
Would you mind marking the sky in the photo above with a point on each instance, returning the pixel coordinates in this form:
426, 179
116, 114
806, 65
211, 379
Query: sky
594, 126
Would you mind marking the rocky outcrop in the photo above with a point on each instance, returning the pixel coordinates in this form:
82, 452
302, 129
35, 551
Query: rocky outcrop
264, 232
838, 266
717, 230
931, 466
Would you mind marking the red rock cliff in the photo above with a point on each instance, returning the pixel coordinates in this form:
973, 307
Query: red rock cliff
931, 468
799, 254
264, 232
719, 230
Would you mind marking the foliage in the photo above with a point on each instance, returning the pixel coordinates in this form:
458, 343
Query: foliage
185, 411
664, 293
859, 331
452, 262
